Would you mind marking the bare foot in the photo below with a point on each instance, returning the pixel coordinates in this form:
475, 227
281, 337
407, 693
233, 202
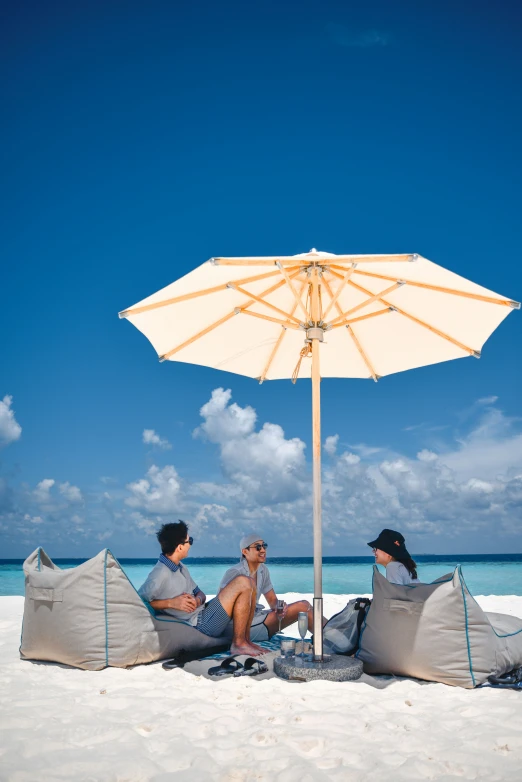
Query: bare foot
261, 649
246, 648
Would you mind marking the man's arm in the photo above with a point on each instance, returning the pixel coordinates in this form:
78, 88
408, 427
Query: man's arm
184, 602
271, 599
197, 593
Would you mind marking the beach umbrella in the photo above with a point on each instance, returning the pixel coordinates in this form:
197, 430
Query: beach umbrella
318, 315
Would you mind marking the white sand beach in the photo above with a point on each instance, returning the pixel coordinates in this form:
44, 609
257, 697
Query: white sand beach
59, 723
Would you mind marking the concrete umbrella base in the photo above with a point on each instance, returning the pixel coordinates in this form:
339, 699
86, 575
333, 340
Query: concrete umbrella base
334, 668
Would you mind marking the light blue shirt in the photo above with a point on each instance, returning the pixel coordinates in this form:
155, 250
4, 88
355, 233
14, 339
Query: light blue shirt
397, 573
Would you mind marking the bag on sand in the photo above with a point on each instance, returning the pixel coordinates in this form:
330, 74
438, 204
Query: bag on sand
341, 632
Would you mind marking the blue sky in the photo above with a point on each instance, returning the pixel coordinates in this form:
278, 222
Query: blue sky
140, 140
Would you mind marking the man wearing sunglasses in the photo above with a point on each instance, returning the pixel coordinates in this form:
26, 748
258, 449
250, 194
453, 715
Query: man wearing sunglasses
264, 623
170, 588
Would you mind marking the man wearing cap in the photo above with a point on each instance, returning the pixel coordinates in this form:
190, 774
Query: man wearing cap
170, 588
265, 623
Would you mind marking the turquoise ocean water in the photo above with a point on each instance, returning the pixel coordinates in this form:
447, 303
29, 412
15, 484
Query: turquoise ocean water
499, 574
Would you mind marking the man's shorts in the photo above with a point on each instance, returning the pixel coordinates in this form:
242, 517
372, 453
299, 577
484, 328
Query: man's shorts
213, 620
258, 628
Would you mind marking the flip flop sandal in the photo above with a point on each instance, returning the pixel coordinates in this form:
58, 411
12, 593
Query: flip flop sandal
169, 665
228, 666
512, 680
512, 677
252, 667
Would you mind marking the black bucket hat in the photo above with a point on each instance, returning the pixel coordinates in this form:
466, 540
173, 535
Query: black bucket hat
392, 543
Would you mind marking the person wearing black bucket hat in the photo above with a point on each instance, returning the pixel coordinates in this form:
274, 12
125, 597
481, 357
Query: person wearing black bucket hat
391, 552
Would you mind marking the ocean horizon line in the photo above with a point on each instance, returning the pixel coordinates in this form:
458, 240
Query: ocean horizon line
341, 560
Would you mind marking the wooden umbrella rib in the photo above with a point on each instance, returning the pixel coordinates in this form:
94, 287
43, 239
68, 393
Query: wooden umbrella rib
235, 311
331, 295
339, 290
297, 298
195, 294
264, 293
313, 260
420, 322
287, 324
362, 352
361, 317
264, 276
333, 262
278, 343
260, 262
397, 258
351, 332
168, 302
253, 259
371, 300
264, 302
200, 334
451, 291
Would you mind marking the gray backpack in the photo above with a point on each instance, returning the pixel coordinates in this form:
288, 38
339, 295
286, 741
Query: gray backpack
341, 632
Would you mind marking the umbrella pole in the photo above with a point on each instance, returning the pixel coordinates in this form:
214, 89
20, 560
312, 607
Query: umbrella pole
318, 543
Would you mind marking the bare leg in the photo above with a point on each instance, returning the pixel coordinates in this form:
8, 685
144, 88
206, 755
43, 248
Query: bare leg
272, 622
250, 618
238, 600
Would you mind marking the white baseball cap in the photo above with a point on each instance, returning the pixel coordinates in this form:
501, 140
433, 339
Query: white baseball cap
247, 540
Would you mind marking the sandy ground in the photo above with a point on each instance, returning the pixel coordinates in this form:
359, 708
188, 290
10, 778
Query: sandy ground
59, 723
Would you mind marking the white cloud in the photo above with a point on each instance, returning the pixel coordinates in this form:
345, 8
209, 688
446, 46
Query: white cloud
33, 519
210, 514
101, 536
267, 466
159, 492
150, 437
222, 421
487, 400
268, 483
43, 489
426, 456
71, 493
366, 450
10, 429
493, 447
330, 444
145, 524
470, 484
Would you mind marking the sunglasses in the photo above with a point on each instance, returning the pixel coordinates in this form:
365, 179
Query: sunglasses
190, 541
259, 546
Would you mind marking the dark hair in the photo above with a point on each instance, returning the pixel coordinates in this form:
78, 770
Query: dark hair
409, 564
171, 535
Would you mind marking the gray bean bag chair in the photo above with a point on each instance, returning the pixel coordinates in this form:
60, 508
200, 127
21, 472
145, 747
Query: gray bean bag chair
437, 632
91, 616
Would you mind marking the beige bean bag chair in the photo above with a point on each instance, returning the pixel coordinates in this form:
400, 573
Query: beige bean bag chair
437, 632
91, 616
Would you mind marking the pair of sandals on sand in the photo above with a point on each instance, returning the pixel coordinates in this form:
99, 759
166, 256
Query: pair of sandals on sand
251, 667
229, 666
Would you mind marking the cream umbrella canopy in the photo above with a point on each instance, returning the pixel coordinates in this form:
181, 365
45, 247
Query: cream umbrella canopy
319, 315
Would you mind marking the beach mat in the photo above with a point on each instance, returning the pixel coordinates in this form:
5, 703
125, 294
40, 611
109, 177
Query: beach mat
202, 666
